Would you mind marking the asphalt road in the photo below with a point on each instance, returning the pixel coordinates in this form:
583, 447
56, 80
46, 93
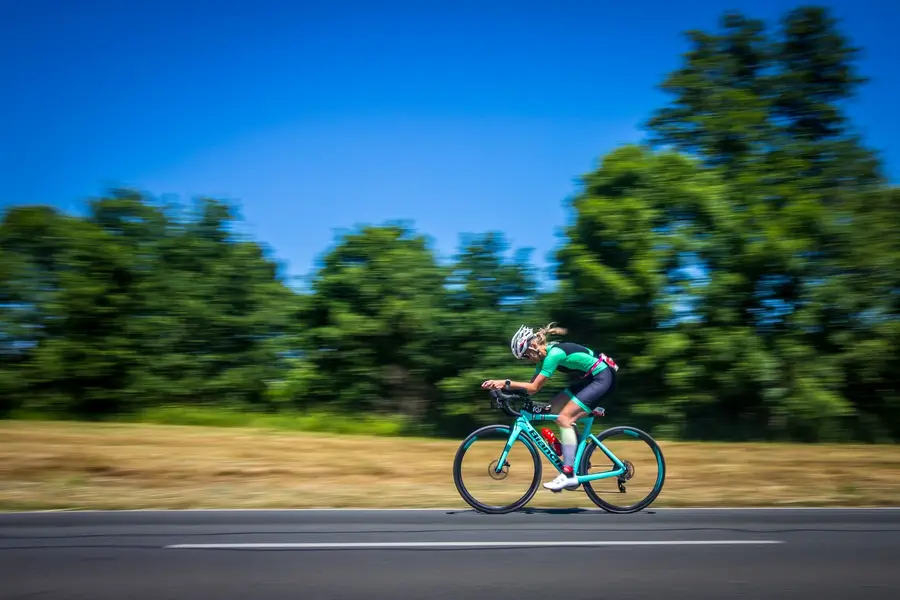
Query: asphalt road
394, 555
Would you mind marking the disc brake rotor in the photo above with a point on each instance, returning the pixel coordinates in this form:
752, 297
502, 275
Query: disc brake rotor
492, 470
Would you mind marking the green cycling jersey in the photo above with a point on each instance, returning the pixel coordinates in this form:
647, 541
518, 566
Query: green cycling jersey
568, 357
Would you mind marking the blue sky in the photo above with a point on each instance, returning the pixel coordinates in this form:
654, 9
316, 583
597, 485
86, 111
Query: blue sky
317, 116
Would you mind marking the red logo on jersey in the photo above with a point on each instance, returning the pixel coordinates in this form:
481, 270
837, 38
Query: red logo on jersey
608, 360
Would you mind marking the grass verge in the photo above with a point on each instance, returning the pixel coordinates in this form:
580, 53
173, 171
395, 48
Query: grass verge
327, 422
53, 465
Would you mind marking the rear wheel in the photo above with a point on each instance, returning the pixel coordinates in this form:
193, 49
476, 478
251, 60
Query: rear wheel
475, 476
641, 455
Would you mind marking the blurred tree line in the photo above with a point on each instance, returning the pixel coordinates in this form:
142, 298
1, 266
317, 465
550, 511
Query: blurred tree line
741, 266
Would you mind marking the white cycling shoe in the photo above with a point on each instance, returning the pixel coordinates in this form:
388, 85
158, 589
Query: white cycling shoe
562, 482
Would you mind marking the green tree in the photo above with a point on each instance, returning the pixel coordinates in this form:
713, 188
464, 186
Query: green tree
370, 322
32, 240
638, 219
135, 305
489, 297
768, 115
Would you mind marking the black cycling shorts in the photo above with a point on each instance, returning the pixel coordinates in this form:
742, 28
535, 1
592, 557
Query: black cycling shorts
588, 392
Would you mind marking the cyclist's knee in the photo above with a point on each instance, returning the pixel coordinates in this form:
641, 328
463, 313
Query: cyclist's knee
565, 420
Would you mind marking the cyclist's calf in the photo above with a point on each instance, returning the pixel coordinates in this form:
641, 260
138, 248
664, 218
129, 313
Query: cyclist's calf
566, 420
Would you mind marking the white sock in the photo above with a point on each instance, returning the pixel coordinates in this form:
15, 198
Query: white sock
569, 443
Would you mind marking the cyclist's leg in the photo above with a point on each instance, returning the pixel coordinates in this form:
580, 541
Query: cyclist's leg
559, 401
566, 418
573, 392
601, 385
570, 413
585, 397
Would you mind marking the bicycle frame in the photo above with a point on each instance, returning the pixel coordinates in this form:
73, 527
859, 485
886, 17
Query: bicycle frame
522, 424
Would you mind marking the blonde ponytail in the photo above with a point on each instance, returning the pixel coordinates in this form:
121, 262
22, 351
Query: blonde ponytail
544, 332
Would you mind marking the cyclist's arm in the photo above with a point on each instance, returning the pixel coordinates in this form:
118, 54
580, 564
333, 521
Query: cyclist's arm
544, 372
533, 386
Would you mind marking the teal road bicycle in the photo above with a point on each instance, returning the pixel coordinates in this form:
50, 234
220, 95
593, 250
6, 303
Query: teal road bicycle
499, 463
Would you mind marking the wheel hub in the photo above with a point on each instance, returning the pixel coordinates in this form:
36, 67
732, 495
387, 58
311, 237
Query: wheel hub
504, 471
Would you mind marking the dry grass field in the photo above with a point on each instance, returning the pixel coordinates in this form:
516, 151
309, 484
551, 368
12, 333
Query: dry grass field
122, 466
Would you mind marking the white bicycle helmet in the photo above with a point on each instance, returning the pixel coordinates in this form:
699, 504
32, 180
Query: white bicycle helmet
521, 341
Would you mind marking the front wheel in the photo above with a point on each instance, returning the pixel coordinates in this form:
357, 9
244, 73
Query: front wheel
478, 456
631, 451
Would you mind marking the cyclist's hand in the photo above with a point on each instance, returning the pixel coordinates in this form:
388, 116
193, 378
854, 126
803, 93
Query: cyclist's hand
493, 384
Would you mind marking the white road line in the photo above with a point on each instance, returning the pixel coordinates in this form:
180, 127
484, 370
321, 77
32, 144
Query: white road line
456, 509
509, 544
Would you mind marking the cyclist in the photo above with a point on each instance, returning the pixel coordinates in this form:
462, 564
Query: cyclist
597, 377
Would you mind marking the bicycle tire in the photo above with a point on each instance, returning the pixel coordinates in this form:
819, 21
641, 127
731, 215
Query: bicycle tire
485, 508
657, 488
